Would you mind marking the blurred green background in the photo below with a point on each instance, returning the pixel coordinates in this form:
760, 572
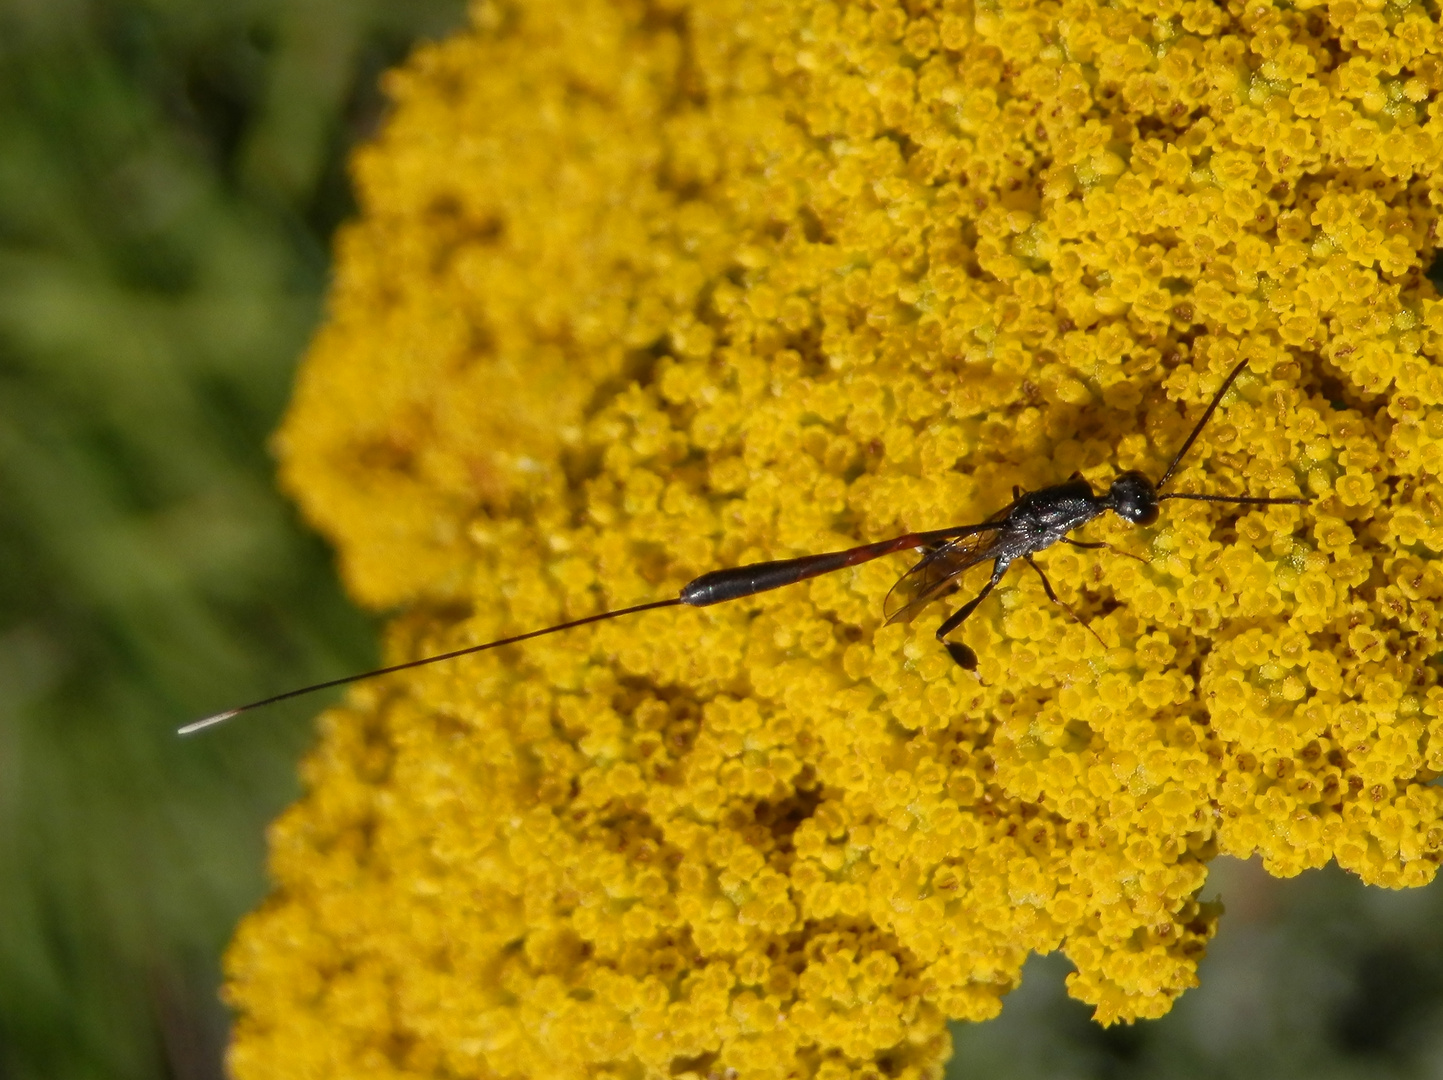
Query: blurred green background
170, 174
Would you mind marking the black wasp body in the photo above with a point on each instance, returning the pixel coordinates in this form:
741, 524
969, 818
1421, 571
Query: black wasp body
1038, 519
1031, 523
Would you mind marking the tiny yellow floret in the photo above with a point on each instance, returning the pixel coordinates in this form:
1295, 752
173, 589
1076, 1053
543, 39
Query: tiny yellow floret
641, 291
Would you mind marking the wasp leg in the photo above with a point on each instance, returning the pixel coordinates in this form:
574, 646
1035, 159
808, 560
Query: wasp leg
964, 656
1102, 544
1064, 605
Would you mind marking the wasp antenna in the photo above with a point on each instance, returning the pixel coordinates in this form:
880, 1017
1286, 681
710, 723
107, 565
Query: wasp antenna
1212, 408
1244, 500
222, 717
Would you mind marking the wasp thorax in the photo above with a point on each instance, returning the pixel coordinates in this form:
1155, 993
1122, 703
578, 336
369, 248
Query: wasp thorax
1133, 497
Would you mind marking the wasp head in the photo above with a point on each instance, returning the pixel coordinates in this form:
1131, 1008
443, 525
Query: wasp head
1132, 496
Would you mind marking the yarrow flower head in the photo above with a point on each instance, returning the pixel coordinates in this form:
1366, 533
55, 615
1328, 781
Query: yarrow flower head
640, 290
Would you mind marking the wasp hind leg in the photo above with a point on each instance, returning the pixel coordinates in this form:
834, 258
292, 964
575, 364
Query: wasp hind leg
963, 654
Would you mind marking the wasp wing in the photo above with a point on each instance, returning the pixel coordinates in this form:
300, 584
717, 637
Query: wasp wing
935, 575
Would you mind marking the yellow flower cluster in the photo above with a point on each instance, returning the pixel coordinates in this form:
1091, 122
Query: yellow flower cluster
641, 290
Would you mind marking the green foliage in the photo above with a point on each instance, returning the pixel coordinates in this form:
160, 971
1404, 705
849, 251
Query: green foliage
1314, 978
170, 171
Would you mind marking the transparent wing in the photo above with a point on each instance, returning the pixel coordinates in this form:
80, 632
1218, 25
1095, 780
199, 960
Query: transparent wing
935, 575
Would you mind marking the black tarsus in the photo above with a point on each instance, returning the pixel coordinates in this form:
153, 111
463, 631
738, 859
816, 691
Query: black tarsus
1034, 521
957, 618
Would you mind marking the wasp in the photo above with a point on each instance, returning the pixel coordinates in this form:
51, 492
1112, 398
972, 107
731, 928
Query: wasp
1031, 523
